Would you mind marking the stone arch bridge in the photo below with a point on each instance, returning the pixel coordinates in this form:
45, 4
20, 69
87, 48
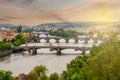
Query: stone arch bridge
57, 39
33, 49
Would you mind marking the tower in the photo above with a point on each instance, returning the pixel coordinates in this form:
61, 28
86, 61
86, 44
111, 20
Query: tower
19, 30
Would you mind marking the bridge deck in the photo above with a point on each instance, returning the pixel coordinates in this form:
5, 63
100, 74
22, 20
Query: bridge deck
61, 47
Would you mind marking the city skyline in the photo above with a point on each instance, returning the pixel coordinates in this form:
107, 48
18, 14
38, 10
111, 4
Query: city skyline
33, 12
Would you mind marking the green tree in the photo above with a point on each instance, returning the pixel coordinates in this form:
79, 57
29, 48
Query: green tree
5, 46
39, 72
6, 75
105, 65
63, 33
102, 63
17, 42
75, 69
54, 76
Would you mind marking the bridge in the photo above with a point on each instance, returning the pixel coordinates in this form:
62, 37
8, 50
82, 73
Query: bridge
33, 49
39, 33
57, 39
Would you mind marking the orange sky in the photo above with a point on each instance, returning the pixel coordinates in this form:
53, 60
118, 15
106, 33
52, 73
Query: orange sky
32, 12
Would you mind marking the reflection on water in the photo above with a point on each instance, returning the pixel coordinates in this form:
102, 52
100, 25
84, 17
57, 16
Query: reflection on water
5, 58
13, 57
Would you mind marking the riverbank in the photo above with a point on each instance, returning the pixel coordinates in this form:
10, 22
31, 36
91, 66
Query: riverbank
4, 53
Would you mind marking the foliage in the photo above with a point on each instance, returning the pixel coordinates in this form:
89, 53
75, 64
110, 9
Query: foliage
25, 77
63, 33
18, 40
102, 63
54, 76
105, 65
6, 75
75, 69
6, 44
39, 72
96, 49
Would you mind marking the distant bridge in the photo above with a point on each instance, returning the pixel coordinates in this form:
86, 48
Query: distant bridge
57, 39
38, 33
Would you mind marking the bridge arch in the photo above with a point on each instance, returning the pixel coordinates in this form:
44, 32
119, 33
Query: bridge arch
62, 41
80, 41
42, 40
90, 41
52, 40
71, 40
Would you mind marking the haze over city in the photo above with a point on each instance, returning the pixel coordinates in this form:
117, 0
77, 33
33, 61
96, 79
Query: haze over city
32, 12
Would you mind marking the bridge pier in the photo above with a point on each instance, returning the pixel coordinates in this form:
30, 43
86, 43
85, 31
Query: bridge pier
58, 51
85, 41
34, 51
29, 51
95, 40
83, 51
67, 40
76, 40
14, 50
47, 41
57, 40
51, 49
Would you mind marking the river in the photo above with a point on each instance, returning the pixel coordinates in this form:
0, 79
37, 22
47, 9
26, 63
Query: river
24, 62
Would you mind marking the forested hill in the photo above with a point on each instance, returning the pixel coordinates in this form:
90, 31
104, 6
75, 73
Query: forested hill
78, 24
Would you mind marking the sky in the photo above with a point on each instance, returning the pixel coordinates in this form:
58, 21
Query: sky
32, 12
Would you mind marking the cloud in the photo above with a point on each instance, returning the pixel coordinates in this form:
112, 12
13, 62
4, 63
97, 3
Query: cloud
4, 19
41, 11
18, 1
52, 15
8, 17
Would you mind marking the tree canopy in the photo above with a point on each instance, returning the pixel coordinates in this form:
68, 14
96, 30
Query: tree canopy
63, 33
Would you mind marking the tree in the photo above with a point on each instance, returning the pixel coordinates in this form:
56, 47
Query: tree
105, 65
25, 77
5, 46
102, 63
63, 33
17, 42
75, 69
6, 75
39, 72
54, 76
